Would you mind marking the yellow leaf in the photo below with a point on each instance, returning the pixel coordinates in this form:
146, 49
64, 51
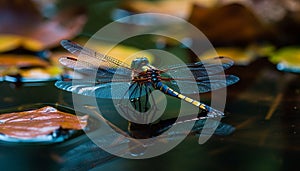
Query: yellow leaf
288, 55
9, 42
32, 44
240, 56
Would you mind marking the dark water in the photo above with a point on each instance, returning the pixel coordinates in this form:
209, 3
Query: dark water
264, 108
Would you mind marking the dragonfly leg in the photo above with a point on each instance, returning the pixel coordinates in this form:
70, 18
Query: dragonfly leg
147, 96
139, 100
154, 107
132, 98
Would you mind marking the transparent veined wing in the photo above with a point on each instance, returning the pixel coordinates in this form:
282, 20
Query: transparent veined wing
202, 68
92, 56
204, 83
110, 90
87, 68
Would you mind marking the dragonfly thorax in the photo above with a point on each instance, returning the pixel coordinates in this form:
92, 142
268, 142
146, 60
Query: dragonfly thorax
143, 72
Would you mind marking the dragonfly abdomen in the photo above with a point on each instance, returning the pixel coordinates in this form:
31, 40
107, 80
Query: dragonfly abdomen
167, 90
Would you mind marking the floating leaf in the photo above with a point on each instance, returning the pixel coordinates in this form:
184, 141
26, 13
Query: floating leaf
9, 42
41, 73
287, 59
21, 61
239, 55
290, 55
43, 124
242, 56
27, 68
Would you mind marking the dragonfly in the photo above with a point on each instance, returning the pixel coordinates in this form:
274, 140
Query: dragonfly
141, 78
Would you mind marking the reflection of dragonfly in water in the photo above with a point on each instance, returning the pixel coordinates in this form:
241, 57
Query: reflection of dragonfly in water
88, 154
141, 78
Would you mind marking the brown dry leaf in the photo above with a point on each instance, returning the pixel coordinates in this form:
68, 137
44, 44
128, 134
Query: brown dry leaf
270, 11
39, 122
232, 23
23, 26
281, 16
18, 17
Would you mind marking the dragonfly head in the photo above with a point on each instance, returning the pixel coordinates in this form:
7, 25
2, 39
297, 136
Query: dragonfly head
139, 63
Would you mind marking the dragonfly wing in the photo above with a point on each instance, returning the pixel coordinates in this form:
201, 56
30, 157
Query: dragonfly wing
114, 75
202, 68
111, 90
75, 48
93, 57
204, 83
87, 68
99, 74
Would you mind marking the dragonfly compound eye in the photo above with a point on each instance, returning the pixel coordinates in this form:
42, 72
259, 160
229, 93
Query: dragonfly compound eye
138, 63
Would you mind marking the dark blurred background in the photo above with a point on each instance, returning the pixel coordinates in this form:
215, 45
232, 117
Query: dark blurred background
262, 37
